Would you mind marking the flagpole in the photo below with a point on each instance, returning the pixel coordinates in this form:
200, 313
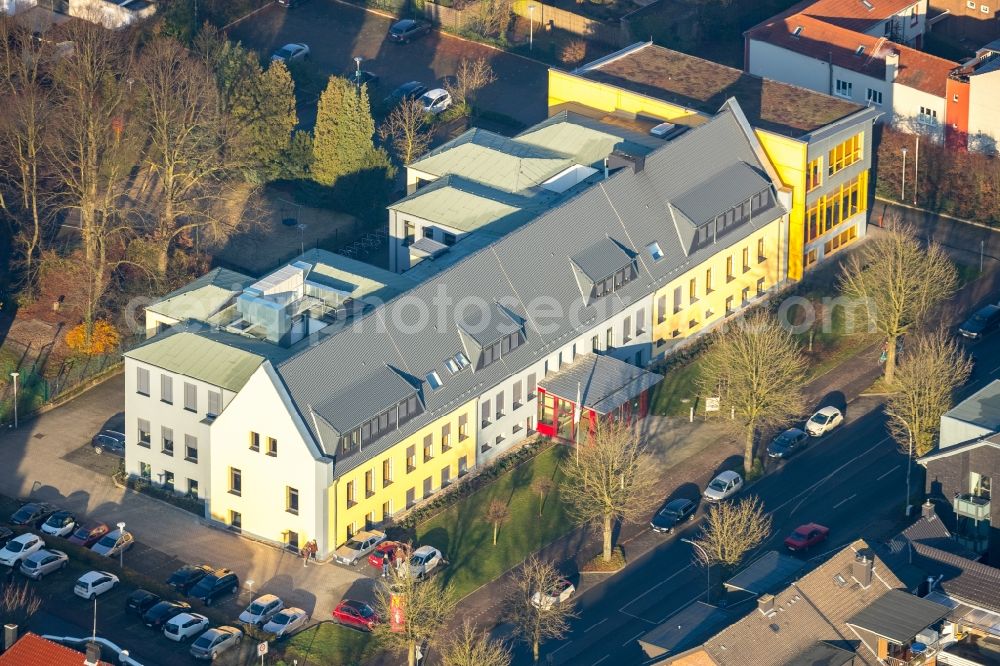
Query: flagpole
576, 418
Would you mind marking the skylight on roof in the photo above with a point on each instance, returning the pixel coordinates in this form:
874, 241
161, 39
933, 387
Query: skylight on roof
797, 31
868, 5
859, 50
462, 359
654, 251
452, 365
434, 379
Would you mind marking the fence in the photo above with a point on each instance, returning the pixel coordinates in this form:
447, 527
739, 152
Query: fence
451, 18
614, 33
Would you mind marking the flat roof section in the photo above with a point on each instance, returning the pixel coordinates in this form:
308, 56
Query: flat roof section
704, 86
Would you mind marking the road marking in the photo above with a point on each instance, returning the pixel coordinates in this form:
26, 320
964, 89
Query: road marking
633, 638
636, 617
607, 656
888, 473
594, 625
566, 645
844, 501
665, 580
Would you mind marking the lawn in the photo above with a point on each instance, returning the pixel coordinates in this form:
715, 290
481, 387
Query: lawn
677, 393
966, 273
465, 537
329, 643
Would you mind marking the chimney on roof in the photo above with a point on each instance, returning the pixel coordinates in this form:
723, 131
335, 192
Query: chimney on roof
927, 511
765, 603
93, 654
891, 65
861, 569
9, 636
619, 158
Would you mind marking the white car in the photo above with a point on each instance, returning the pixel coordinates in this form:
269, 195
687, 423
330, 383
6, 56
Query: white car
60, 524
290, 52
19, 548
824, 421
262, 609
94, 583
184, 626
286, 621
723, 486
43, 562
435, 101
358, 546
423, 561
560, 591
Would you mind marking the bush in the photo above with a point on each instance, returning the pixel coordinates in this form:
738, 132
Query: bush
755, 472
145, 486
104, 338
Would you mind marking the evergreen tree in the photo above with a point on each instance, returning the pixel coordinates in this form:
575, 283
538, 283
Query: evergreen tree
262, 108
342, 141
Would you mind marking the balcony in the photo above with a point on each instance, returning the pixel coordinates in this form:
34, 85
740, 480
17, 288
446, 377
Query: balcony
972, 506
908, 657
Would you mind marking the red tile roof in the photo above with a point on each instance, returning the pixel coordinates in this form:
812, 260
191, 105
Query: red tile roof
33, 650
852, 14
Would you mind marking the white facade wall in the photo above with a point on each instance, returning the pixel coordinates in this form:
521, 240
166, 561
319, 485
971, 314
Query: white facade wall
955, 431
911, 23
109, 14
781, 64
907, 103
984, 111
263, 406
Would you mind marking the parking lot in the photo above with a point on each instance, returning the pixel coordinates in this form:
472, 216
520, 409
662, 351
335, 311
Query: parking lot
336, 33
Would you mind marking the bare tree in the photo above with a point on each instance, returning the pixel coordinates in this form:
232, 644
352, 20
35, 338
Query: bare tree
405, 131
573, 53
415, 610
18, 603
731, 530
473, 647
610, 478
897, 281
543, 485
494, 17
496, 513
758, 370
471, 77
535, 621
930, 370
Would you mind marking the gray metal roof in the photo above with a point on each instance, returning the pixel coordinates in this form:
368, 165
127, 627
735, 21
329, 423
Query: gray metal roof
370, 393
767, 573
602, 259
489, 323
723, 191
684, 629
604, 382
982, 408
428, 247
898, 616
201, 298
522, 267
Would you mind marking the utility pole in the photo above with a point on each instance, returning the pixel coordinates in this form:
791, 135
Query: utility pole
708, 569
14, 376
902, 191
916, 169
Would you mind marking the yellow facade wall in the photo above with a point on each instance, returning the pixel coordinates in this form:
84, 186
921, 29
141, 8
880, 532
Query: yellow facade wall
670, 323
789, 159
349, 517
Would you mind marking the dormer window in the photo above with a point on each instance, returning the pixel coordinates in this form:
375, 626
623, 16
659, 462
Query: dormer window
797, 31
860, 50
604, 267
452, 365
462, 360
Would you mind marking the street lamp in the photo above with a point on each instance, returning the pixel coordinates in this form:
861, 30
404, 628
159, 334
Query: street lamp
902, 193
123, 656
250, 588
14, 376
708, 569
357, 70
121, 551
302, 241
531, 27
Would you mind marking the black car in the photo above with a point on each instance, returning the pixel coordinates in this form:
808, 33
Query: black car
215, 585
408, 29
162, 612
188, 576
111, 441
983, 322
673, 513
409, 90
32, 512
141, 601
787, 443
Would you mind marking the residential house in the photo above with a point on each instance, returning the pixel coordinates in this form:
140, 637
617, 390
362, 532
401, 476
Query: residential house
967, 21
112, 14
820, 146
974, 92
33, 650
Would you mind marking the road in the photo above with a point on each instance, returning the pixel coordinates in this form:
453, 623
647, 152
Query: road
852, 481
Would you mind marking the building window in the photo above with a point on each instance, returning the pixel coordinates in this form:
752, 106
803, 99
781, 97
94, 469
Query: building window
449, 239
463, 427
408, 233
428, 448
746, 259
708, 281
499, 399
445, 437
168, 480
984, 9
729, 305
411, 458
811, 257
445, 476
693, 290
760, 287
609, 338
874, 96
386, 510
272, 446
515, 398
349, 494
626, 330
369, 483
661, 309
428, 487
745, 295
167, 389
845, 154
678, 299
927, 116
145, 471
840, 240
235, 481
979, 485
235, 520
814, 174
411, 497
292, 500
729, 269
532, 388
192, 488
640, 322
971, 4
843, 88
463, 465
191, 448
761, 256
167, 435
386, 472
190, 397
142, 381
836, 207
144, 430
429, 232
214, 403
254, 441
486, 413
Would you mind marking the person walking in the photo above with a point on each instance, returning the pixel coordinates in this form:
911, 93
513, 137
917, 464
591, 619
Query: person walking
385, 564
304, 553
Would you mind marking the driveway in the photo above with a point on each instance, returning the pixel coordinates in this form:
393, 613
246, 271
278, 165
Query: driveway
336, 33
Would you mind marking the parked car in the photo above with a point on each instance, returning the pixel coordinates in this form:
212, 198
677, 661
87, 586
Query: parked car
559, 593
215, 585
806, 536
403, 32
360, 545
215, 641
423, 561
141, 601
355, 614
6, 534
19, 548
188, 576
285, 622
88, 533
788, 443
261, 610
436, 101
393, 549
981, 323
673, 513
184, 626
111, 441
43, 562
113, 543
161, 612
409, 90
60, 524
824, 421
290, 52
94, 583
32, 513
723, 486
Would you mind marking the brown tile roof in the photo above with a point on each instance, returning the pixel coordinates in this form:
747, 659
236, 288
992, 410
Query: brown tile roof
851, 14
33, 650
703, 85
811, 611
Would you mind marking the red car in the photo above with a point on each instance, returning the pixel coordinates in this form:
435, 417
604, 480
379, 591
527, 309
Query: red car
392, 548
88, 533
806, 536
355, 614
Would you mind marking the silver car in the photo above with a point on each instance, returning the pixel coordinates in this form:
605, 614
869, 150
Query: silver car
360, 545
215, 641
113, 543
43, 562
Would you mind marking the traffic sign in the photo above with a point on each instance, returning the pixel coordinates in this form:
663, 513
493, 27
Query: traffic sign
261, 649
712, 404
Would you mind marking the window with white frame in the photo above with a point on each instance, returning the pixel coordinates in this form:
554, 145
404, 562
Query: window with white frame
843, 88
928, 116
984, 9
971, 4
874, 96
167, 389
142, 381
